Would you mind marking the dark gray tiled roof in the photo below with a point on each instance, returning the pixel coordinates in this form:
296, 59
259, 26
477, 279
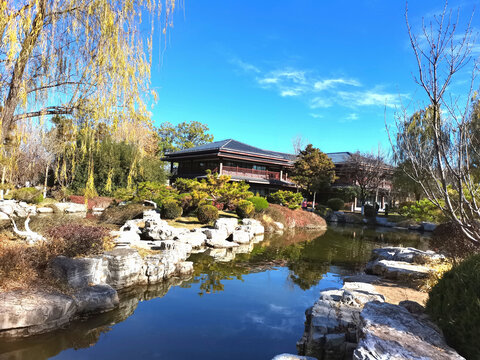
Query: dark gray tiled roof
339, 157
234, 145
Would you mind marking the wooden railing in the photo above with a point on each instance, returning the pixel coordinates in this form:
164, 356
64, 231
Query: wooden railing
262, 174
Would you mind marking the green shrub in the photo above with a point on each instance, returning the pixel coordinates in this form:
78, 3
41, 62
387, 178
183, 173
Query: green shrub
454, 305
207, 213
29, 195
124, 194
422, 210
259, 202
171, 210
155, 191
286, 198
335, 204
321, 210
120, 214
245, 209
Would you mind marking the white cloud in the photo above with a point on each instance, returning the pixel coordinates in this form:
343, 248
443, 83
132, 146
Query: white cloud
352, 116
244, 65
330, 83
316, 116
320, 102
369, 98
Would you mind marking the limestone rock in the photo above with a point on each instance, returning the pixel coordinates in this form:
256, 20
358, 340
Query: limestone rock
24, 314
398, 270
408, 254
256, 225
194, 238
44, 210
241, 237
185, 268
220, 244
69, 207
331, 324
157, 229
4, 216
80, 272
227, 224
389, 331
124, 267
96, 299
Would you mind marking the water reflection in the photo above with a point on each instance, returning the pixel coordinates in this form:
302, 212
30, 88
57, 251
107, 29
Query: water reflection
84, 333
294, 265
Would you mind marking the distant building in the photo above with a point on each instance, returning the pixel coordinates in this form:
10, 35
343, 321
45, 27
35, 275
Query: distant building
265, 171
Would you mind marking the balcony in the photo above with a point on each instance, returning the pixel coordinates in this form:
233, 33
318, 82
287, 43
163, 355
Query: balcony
251, 173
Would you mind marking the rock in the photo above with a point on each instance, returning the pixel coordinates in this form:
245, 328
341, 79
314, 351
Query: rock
44, 210
364, 278
426, 226
279, 226
4, 216
185, 268
241, 237
215, 234
292, 357
124, 268
409, 255
151, 215
256, 226
227, 224
389, 331
331, 324
412, 307
194, 238
80, 272
126, 238
382, 221
7, 207
157, 229
96, 299
24, 314
69, 207
398, 270
415, 227
217, 243
98, 209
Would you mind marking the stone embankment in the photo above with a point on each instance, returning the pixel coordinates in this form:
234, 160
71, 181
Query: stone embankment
341, 217
94, 280
357, 322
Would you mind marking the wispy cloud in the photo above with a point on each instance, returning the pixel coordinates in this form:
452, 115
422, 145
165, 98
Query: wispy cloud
244, 65
330, 83
316, 116
320, 92
368, 98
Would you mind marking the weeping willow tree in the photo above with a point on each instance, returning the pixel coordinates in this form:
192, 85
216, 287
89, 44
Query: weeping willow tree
71, 57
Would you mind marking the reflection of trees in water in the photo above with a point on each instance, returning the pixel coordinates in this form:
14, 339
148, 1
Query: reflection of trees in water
307, 254
83, 333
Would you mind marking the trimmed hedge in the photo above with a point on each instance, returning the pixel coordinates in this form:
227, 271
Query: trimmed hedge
30, 195
245, 209
259, 202
335, 204
454, 305
207, 213
171, 210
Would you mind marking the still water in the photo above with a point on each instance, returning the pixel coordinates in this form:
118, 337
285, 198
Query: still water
235, 306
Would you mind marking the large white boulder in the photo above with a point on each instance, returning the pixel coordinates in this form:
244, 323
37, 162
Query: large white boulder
227, 224
390, 331
257, 227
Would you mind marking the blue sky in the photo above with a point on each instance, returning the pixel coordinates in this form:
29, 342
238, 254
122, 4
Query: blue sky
263, 72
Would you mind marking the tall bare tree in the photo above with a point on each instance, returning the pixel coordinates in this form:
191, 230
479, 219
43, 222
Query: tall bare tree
368, 171
441, 160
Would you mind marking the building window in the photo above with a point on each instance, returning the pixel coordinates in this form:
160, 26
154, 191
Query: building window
259, 167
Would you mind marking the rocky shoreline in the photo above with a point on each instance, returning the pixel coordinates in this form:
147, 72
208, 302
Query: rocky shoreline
356, 321
94, 281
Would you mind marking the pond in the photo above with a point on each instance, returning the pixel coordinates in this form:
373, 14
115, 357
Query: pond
235, 306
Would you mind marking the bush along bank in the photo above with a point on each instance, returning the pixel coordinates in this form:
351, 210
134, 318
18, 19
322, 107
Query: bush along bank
91, 282
357, 321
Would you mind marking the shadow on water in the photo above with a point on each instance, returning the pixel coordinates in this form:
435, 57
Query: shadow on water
306, 257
